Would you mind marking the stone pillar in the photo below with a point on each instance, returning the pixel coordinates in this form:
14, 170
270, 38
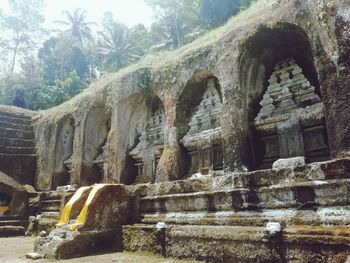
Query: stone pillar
334, 72
169, 166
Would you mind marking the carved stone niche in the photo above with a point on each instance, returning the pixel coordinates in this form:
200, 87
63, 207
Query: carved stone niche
68, 165
291, 120
148, 151
101, 162
203, 140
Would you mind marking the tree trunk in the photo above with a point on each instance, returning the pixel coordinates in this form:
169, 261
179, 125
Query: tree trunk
14, 56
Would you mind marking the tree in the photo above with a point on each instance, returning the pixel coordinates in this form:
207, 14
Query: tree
60, 56
21, 29
116, 48
175, 19
77, 24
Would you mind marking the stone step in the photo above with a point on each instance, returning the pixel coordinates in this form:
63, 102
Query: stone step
48, 221
51, 205
10, 217
50, 209
17, 126
321, 216
51, 195
14, 142
13, 222
16, 150
52, 202
18, 134
15, 115
333, 169
12, 119
9, 156
50, 215
12, 231
294, 195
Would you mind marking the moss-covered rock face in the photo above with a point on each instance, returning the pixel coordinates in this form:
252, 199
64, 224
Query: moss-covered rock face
240, 56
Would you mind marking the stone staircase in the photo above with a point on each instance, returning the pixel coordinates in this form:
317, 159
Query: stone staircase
17, 159
224, 218
12, 226
50, 210
17, 145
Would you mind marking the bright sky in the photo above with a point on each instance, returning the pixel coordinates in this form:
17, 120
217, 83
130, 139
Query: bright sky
131, 12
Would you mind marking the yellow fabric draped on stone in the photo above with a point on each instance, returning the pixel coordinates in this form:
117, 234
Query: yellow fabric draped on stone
4, 209
82, 216
65, 216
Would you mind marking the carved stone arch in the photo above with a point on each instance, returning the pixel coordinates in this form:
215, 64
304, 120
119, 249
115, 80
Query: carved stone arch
96, 129
140, 137
266, 54
64, 151
198, 112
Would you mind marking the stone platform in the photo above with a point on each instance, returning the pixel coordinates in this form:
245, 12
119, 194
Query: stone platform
223, 218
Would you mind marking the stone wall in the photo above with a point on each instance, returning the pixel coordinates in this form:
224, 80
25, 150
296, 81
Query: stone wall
240, 56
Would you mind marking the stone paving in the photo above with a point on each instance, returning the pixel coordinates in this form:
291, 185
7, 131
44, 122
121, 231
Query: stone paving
13, 250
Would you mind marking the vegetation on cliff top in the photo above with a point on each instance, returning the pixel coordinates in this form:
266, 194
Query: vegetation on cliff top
41, 68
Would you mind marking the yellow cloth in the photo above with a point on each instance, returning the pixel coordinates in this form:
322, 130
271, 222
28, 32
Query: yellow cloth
65, 216
4, 209
82, 216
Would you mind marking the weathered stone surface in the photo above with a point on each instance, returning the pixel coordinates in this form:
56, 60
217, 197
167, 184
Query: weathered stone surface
102, 136
96, 228
64, 244
242, 244
169, 166
241, 58
114, 211
288, 163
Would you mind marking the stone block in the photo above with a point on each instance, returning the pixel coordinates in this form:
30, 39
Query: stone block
288, 163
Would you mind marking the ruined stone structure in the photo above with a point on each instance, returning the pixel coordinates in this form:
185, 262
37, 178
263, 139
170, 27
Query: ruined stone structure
148, 151
239, 143
291, 120
203, 140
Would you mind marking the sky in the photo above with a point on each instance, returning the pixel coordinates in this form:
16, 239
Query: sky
131, 12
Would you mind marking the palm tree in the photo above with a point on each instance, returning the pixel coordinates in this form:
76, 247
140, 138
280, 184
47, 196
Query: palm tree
115, 46
77, 24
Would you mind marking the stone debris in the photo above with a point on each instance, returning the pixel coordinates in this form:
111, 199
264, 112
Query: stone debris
33, 256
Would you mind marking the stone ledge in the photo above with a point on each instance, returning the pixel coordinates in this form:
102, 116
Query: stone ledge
11, 231
297, 195
240, 244
323, 215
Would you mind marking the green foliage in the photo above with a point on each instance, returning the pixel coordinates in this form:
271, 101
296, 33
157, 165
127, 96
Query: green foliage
18, 91
66, 89
175, 20
21, 29
68, 61
118, 46
60, 56
216, 13
144, 80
